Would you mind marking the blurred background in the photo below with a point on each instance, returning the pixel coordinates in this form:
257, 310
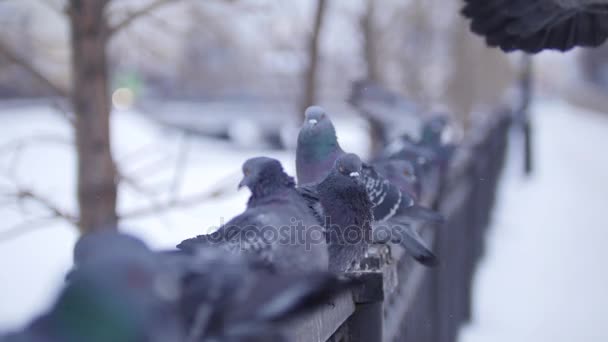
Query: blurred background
175, 94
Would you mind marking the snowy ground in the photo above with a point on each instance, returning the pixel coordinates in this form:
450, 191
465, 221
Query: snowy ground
34, 262
543, 277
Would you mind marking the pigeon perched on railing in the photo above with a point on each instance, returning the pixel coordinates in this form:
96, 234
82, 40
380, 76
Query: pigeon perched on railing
122, 291
116, 293
345, 204
430, 155
318, 147
224, 298
317, 150
278, 228
536, 25
401, 173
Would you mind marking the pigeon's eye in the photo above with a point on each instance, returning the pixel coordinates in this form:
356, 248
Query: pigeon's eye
323, 116
246, 172
406, 172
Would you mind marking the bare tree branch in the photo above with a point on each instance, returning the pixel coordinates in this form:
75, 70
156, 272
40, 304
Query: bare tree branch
63, 112
137, 14
23, 194
180, 167
10, 54
25, 227
41, 138
185, 202
56, 9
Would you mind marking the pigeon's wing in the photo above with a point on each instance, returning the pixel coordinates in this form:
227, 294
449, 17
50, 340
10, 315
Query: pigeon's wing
311, 197
533, 26
405, 235
384, 196
241, 235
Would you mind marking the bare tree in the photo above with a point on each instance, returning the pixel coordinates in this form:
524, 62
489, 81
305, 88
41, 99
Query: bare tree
97, 183
90, 99
373, 73
370, 39
309, 96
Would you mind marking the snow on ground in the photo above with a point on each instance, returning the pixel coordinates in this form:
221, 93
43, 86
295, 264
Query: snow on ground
33, 263
544, 276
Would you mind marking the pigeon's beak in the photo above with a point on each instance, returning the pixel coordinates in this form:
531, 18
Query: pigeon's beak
355, 174
242, 183
313, 122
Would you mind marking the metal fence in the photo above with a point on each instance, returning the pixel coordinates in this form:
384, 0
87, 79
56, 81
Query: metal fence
403, 301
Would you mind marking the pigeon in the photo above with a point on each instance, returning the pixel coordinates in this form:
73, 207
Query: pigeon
126, 297
103, 245
318, 147
536, 25
347, 210
401, 173
225, 299
278, 228
430, 156
127, 294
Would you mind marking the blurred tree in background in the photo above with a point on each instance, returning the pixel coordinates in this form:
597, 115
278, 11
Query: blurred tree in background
283, 54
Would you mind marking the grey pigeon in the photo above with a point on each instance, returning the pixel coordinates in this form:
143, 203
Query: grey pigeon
227, 300
212, 295
535, 25
347, 209
318, 147
126, 297
278, 228
430, 156
401, 173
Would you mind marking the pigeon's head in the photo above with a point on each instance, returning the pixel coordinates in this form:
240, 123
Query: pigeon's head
315, 115
317, 128
262, 171
118, 299
349, 165
434, 127
404, 169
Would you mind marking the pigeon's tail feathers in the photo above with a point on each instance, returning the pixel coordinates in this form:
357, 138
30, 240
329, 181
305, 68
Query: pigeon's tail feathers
306, 293
193, 244
427, 215
410, 240
219, 238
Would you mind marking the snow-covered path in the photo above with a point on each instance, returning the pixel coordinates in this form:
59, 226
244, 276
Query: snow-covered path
544, 276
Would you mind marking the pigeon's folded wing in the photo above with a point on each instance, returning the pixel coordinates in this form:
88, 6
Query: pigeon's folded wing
384, 196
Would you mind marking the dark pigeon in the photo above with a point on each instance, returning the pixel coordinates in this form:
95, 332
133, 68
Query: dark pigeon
318, 147
347, 209
224, 298
140, 295
401, 173
278, 228
536, 25
126, 297
430, 155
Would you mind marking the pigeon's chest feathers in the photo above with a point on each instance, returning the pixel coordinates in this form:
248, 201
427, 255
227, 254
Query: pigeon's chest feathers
315, 157
346, 203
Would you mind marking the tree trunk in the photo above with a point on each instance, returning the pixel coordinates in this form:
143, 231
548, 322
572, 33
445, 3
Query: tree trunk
370, 40
373, 74
310, 82
97, 187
